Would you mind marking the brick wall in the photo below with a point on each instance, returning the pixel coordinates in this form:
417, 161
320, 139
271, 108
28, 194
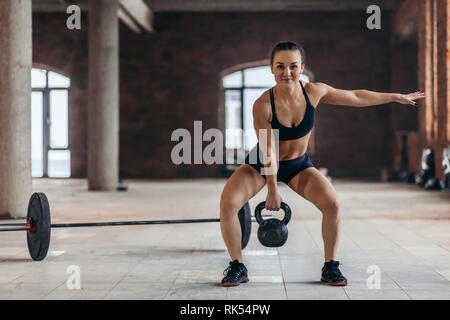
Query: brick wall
404, 64
433, 73
171, 78
61, 50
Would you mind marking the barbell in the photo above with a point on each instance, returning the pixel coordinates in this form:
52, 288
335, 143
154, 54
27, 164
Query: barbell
38, 225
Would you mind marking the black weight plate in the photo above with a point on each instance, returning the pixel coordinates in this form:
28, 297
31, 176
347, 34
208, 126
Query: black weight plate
38, 215
245, 220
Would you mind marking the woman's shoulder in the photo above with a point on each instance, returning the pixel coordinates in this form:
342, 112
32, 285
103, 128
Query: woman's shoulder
313, 86
263, 99
315, 91
262, 104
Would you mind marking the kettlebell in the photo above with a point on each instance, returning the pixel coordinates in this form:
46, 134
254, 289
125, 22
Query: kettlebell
272, 232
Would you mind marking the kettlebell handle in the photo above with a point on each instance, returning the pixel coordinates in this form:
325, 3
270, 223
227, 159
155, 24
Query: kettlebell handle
284, 206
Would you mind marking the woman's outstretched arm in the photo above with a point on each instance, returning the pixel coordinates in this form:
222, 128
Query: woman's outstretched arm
364, 98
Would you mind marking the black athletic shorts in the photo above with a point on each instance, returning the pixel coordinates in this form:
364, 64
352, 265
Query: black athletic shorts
287, 169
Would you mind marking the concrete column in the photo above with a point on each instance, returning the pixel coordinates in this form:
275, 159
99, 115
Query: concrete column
15, 107
103, 105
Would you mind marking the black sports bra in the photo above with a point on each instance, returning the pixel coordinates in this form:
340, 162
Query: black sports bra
303, 128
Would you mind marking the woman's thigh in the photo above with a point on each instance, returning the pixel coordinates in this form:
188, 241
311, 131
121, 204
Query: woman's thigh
243, 184
315, 187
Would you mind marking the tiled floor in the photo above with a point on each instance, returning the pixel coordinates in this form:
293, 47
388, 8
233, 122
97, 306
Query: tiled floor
398, 231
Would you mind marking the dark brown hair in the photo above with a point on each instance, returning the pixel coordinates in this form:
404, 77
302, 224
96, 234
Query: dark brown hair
287, 45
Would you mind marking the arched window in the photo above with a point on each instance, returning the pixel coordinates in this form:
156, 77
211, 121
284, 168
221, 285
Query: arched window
50, 143
241, 89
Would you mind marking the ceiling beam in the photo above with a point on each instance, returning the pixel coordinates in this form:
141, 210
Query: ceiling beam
133, 13
127, 20
56, 6
139, 12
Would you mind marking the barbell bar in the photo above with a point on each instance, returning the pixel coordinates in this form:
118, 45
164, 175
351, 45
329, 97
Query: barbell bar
38, 225
25, 227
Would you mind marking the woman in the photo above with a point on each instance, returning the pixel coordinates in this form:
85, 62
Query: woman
290, 107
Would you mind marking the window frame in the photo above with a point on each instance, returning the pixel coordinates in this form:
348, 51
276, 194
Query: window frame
241, 90
46, 145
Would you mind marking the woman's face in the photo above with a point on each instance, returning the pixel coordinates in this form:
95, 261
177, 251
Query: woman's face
287, 67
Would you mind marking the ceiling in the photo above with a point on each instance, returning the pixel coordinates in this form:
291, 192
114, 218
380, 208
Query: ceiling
267, 5
233, 5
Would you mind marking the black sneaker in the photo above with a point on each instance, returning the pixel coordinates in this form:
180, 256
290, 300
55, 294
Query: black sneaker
332, 275
235, 274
